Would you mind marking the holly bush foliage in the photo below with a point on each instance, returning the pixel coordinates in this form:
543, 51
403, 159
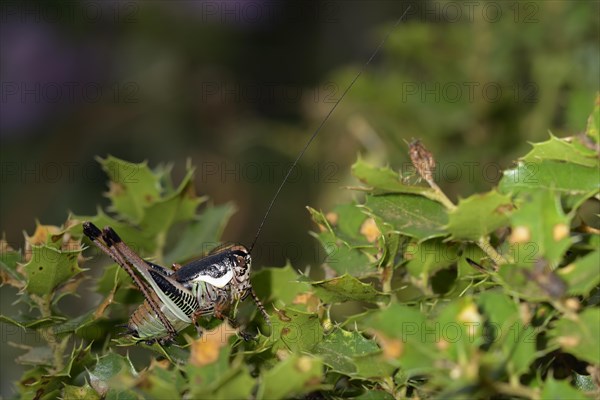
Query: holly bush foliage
496, 296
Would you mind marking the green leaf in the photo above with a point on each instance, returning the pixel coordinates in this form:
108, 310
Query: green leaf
159, 382
239, 386
541, 222
84, 392
49, 267
428, 257
345, 259
582, 275
411, 335
26, 321
133, 187
384, 180
348, 288
373, 367
340, 349
205, 229
478, 215
349, 220
563, 177
506, 332
278, 284
410, 215
206, 379
292, 377
9, 261
36, 384
295, 330
555, 389
579, 336
140, 241
561, 150
178, 206
112, 373
593, 125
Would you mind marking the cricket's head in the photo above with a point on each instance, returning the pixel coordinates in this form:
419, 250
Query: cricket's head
241, 261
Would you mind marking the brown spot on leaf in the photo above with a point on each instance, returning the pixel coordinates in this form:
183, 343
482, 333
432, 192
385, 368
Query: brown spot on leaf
560, 231
285, 331
206, 349
304, 364
370, 230
568, 341
309, 299
282, 316
332, 218
392, 348
520, 234
504, 209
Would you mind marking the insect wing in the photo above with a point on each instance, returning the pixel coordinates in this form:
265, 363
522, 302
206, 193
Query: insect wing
215, 269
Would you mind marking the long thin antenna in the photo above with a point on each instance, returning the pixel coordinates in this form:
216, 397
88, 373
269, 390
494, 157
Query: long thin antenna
316, 132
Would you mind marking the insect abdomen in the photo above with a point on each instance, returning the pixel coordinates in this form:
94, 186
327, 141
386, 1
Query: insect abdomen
144, 324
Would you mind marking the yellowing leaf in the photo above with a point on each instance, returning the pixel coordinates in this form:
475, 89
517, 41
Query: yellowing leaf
206, 349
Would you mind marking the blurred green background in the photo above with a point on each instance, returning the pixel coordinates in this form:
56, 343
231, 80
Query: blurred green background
237, 87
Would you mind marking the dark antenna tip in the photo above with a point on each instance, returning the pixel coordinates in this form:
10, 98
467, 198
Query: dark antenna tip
316, 132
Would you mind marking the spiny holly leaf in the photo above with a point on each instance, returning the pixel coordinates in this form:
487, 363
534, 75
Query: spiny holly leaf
344, 259
132, 188
80, 392
402, 334
459, 336
341, 256
384, 180
478, 215
579, 336
9, 262
375, 367
410, 215
347, 222
203, 380
348, 288
563, 177
582, 275
562, 150
239, 386
113, 375
294, 376
340, 348
508, 334
540, 220
49, 267
36, 384
278, 284
295, 330
174, 207
428, 257
205, 229
26, 321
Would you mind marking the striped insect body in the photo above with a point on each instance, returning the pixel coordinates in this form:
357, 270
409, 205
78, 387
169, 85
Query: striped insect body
176, 298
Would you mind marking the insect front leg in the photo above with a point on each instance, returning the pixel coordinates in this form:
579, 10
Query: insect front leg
260, 306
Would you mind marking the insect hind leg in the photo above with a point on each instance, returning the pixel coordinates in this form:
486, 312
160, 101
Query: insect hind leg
110, 243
